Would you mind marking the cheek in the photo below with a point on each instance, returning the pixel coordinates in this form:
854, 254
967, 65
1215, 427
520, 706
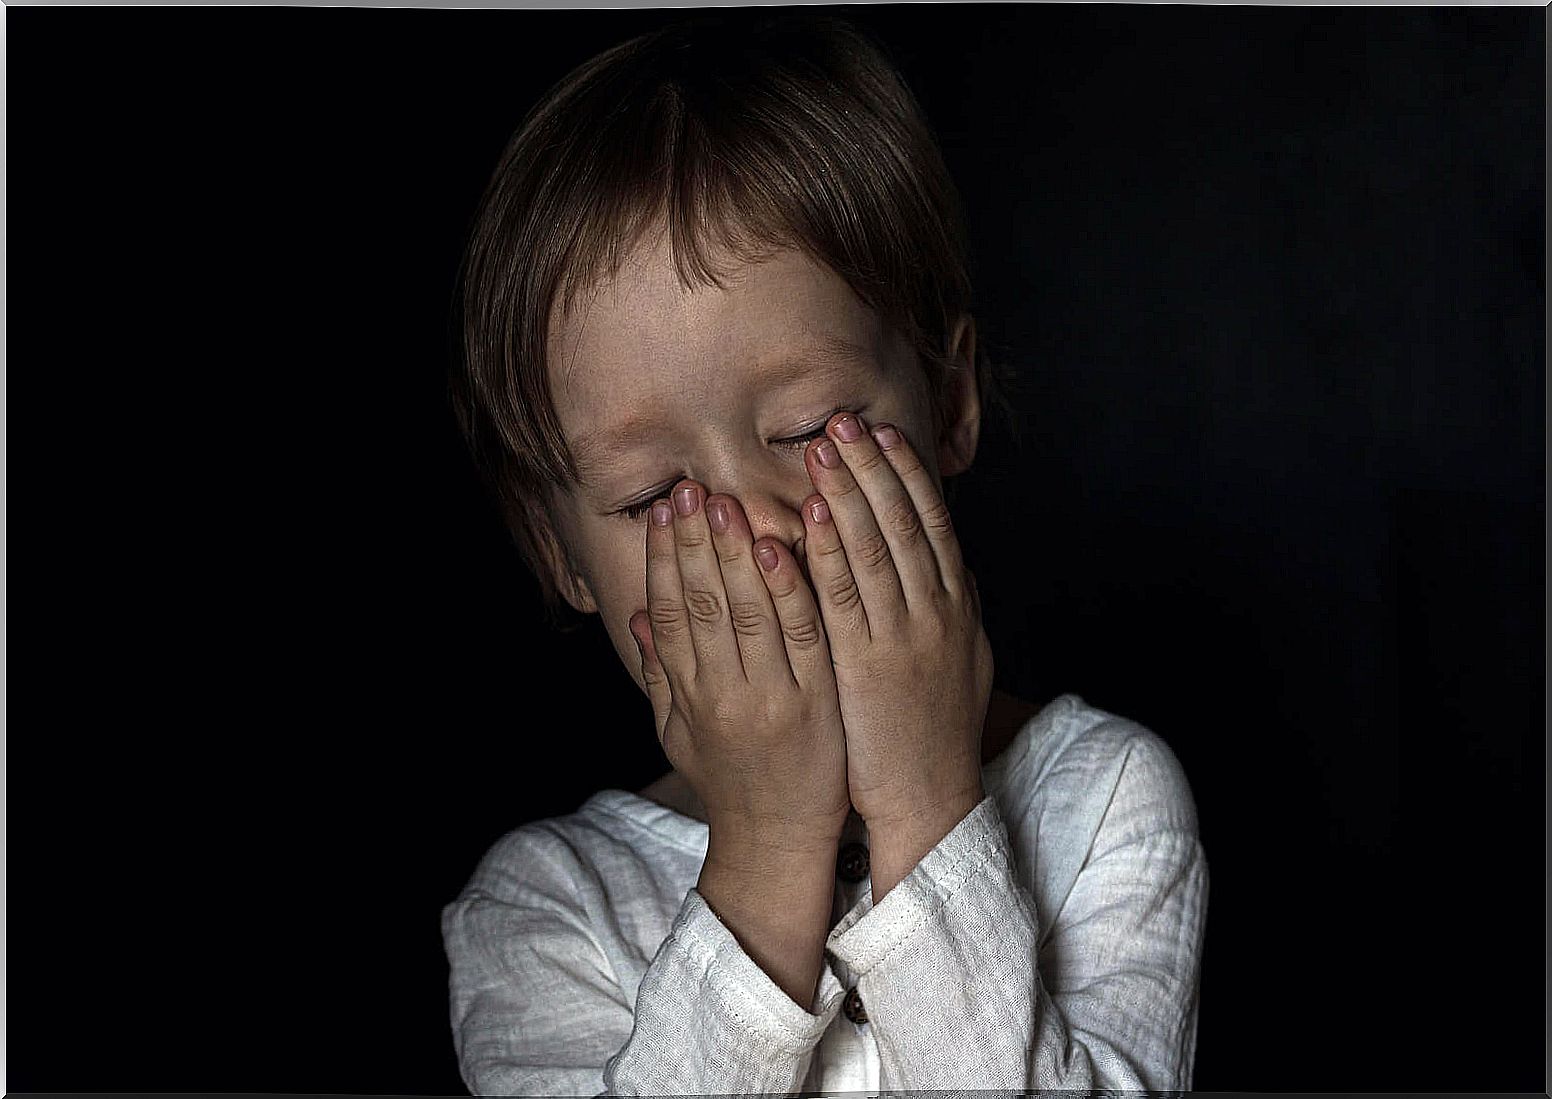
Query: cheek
917, 422
618, 568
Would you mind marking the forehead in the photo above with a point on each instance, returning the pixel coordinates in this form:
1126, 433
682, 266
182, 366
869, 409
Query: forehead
642, 341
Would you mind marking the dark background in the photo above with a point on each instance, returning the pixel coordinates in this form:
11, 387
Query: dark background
1272, 280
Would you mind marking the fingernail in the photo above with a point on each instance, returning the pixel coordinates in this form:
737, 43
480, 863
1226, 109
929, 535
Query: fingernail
662, 514
717, 515
686, 500
828, 456
768, 558
820, 511
848, 428
885, 436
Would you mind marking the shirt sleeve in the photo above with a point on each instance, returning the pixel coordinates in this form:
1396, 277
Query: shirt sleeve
537, 1009
950, 962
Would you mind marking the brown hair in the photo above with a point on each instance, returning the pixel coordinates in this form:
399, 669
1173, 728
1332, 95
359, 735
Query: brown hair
790, 131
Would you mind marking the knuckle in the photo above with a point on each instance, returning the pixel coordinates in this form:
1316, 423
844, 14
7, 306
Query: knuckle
764, 713
747, 615
901, 518
666, 614
727, 553
847, 488
726, 712
937, 519
802, 633
867, 460
906, 462
826, 549
940, 604
871, 551
842, 591
704, 606
970, 607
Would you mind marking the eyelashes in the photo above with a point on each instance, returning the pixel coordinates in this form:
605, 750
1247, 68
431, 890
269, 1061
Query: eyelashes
639, 509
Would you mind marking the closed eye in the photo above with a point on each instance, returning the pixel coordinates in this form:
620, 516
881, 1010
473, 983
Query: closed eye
636, 511
795, 442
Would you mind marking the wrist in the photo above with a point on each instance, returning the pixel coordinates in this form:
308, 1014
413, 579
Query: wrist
898, 843
923, 811
733, 839
776, 900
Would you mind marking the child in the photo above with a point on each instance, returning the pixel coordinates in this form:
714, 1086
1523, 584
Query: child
719, 362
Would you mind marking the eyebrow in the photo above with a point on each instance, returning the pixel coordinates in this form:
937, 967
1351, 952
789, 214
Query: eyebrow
592, 450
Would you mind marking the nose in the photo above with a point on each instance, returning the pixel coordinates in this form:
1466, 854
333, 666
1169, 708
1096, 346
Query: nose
772, 515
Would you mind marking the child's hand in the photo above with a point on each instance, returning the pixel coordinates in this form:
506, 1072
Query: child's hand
738, 670
912, 662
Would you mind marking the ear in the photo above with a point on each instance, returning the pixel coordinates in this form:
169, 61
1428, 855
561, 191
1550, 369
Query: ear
961, 419
563, 573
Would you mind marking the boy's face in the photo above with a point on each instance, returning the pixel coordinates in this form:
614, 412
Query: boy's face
654, 383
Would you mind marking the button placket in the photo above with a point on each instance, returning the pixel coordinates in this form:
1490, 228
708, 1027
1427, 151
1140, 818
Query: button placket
851, 868
851, 862
852, 1007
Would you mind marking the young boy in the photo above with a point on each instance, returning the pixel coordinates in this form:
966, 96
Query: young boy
719, 361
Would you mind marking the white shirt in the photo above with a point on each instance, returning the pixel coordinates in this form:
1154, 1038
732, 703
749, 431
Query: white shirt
1051, 940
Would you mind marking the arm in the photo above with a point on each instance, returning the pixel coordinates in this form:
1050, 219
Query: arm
776, 900
736, 666
962, 991
537, 1009
896, 847
948, 958
535, 1006
726, 1018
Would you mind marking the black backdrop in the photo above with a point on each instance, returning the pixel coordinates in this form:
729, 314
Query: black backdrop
1272, 280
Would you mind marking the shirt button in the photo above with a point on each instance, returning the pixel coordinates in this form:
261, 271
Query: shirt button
852, 1007
851, 862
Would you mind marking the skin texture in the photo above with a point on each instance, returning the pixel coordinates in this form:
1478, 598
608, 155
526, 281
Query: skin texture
855, 672
1006, 715
700, 364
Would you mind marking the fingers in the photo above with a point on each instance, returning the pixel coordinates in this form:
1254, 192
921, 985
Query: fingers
665, 596
875, 513
705, 600
835, 585
718, 602
867, 551
717, 605
652, 674
751, 613
807, 648
884, 499
936, 525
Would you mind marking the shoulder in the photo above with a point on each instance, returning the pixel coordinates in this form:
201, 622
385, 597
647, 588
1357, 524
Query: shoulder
1079, 785
548, 855
1079, 764
613, 836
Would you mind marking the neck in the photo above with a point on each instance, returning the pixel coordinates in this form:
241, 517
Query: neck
1005, 716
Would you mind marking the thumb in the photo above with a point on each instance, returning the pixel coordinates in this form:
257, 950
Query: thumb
652, 673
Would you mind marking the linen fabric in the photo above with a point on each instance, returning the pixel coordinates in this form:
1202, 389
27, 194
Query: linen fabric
1052, 940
